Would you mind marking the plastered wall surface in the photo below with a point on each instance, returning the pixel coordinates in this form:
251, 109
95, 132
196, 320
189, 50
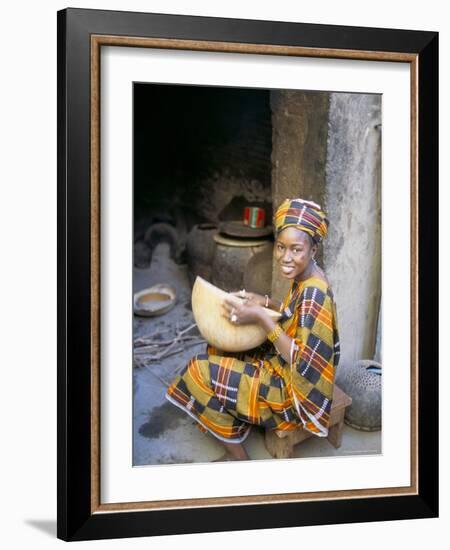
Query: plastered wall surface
352, 251
327, 147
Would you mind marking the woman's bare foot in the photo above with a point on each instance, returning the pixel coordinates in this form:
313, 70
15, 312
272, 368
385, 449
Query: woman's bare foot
236, 450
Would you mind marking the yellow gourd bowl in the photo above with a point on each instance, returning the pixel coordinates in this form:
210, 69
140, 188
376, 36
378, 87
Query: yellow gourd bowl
216, 329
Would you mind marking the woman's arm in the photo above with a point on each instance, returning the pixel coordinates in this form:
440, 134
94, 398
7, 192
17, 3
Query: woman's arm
313, 361
283, 343
248, 312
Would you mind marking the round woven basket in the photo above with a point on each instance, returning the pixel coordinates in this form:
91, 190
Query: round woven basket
216, 329
362, 380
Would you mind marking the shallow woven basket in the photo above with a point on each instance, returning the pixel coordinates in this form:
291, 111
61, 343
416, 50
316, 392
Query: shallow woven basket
216, 329
155, 300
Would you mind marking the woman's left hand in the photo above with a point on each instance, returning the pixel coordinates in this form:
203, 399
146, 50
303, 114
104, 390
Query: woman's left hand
240, 312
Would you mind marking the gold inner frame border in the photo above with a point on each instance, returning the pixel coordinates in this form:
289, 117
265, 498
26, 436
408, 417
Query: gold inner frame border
97, 41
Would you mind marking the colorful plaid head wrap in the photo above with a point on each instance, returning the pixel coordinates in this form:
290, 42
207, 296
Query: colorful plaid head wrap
304, 215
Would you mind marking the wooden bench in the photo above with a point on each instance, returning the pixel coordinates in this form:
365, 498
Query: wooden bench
280, 444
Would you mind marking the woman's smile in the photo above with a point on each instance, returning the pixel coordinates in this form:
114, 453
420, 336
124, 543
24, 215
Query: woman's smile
287, 269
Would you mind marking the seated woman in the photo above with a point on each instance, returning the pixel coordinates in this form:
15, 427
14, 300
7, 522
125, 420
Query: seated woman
288, 381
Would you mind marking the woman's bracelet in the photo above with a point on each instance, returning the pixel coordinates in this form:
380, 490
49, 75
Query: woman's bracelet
275, 333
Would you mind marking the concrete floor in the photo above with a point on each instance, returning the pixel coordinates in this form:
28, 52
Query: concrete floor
163, 434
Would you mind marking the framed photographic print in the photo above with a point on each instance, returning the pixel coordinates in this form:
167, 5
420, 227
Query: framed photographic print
247, 274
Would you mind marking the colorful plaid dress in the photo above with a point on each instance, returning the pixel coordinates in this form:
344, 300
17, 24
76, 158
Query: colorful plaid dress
228, 392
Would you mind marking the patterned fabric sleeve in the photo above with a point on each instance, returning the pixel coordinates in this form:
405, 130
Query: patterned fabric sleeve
314, 356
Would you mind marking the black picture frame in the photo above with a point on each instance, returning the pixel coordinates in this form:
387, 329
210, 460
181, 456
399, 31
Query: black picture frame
78, 518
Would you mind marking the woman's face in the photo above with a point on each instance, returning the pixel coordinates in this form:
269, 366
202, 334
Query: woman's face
293, 252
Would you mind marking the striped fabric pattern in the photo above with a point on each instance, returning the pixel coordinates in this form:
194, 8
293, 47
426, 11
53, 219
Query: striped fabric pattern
226, 393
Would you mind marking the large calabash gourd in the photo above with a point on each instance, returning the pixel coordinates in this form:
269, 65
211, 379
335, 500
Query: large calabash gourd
216, 329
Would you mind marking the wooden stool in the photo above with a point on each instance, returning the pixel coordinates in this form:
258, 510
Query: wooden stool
280, 444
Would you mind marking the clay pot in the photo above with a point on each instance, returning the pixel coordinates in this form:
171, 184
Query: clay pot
200, 248
142, 254
258, 272
164, 232
234, 263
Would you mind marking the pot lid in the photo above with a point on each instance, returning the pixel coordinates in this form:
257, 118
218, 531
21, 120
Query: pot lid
236, 228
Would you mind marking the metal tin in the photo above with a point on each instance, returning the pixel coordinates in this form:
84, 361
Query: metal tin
254, 216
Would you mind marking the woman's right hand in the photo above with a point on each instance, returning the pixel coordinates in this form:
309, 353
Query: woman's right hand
251, 297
